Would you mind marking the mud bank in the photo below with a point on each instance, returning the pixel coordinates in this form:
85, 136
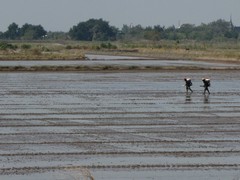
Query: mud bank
98, 63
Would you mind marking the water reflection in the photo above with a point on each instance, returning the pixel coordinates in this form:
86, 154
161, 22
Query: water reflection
206, 99
188, 98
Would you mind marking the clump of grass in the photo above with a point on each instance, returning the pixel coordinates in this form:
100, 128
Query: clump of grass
133, 67
69, 47
5, 46
26, 46
108, 46
106, 67
36, 52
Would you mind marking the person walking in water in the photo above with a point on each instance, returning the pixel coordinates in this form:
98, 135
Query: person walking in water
188, 84
206, 84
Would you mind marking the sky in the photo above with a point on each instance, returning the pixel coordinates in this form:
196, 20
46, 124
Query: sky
61, 15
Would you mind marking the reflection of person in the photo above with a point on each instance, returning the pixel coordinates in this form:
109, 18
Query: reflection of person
188, 98
206, 84
188, 84
206, 99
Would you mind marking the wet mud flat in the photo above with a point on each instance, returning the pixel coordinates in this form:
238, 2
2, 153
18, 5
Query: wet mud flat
137, 125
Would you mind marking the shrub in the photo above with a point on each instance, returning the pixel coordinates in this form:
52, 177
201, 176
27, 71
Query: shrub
68, 47
108, 46
26, 46
5, 46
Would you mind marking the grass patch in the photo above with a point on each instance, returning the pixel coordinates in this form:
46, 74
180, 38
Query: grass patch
76, 50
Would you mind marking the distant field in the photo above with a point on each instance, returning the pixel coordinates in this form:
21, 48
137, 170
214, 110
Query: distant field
76, 50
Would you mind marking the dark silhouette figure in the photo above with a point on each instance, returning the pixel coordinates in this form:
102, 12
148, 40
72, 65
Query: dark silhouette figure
188, 84
206, 84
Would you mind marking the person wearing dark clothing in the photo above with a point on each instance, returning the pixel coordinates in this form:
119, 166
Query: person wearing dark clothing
188, 84
206, 84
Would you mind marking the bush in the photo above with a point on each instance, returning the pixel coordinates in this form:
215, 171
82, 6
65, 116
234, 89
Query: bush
26, 46
108, 46
5, 46
69, 47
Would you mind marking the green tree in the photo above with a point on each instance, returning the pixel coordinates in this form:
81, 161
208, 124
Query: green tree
57, 35
93, 30
187, 30
12, 32
32, 32
133, 32
152, 33
219, 28
1, 35
80, 32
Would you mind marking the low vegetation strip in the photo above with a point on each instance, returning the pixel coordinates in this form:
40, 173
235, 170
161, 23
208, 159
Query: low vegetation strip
227, 51
144, 153
38, 169
120, 142
83, 68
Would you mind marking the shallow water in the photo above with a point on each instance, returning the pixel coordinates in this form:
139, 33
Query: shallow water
108, 122
104, 60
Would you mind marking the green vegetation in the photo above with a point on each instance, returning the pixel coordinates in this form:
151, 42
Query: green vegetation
26, 32
164, 49
93, 30
100, 30
16, 50
218, 30
218, 40
5, 46
109, 68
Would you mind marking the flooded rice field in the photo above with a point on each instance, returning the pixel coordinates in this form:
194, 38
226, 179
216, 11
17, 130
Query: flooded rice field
119, 126
121, 61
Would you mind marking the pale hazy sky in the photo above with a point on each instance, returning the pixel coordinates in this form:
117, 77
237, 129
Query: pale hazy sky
61, 15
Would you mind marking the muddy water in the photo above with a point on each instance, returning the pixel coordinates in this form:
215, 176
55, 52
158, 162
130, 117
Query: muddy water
119, 126
119, 61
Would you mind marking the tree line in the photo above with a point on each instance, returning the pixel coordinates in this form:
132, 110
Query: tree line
26, 32
100, 30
